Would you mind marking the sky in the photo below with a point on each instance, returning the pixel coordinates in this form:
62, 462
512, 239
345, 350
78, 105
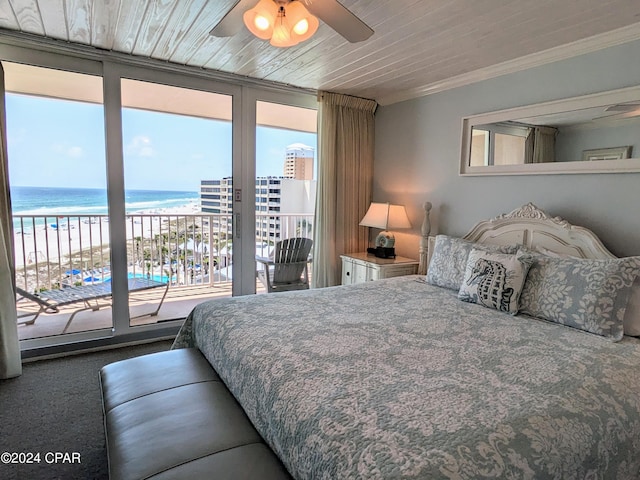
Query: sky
61, 143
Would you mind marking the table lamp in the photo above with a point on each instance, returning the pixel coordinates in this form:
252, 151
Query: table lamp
386, 217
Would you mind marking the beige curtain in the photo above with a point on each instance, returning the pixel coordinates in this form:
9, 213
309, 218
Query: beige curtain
345, 176
540, 145
10, 363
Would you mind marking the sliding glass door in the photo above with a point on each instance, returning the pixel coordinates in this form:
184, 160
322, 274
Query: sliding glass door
57, 171
138, 192
177, 151
285, 184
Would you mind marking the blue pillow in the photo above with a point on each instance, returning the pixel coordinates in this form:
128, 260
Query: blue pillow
449, 260
588, 294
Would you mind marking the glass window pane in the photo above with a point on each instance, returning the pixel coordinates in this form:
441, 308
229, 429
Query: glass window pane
479, 148
177, 153
286, 145
57, 170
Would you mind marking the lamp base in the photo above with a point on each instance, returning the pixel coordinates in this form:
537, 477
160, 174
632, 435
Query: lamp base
385, 239
383, 252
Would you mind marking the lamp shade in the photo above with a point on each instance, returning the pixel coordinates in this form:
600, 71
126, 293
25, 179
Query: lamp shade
261, 19
386, 217
303, 25
285, 25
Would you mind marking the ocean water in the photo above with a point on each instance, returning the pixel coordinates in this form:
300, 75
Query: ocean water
52, 202
43, 201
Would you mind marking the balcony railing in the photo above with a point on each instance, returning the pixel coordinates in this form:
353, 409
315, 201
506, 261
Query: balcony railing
184, 250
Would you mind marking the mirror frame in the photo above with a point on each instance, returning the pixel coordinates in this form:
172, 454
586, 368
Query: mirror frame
556, 106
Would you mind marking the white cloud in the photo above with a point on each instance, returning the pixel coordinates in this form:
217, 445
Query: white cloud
140, 146
72, 151
75, 152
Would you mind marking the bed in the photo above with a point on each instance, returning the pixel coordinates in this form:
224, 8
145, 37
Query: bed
400, 378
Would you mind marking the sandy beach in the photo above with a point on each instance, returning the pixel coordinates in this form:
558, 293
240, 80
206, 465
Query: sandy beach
56, 242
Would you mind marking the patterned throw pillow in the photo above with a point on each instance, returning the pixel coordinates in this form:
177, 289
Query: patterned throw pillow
495, 280
588, 294
449, 260
632, 312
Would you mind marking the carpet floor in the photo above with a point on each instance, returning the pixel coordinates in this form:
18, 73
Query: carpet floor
56, 407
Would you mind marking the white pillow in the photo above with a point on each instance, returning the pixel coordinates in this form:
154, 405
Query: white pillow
495, 280
632, 312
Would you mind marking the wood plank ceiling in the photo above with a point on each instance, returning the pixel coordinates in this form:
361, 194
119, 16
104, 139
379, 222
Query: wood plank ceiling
417, 44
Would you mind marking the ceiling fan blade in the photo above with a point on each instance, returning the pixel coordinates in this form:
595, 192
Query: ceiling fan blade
623, 107
338, 17
618, 116
232, 23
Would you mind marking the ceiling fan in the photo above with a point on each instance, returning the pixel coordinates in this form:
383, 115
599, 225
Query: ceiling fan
288, 22
621, 110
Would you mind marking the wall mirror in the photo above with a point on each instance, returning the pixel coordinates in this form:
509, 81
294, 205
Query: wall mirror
597, 133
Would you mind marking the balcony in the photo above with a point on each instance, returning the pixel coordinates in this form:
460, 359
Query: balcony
191, 252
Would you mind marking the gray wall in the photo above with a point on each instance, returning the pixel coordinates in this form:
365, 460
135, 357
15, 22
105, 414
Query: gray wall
418, 149
570, 142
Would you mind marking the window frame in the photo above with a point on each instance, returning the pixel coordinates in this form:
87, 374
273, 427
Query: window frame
112, 68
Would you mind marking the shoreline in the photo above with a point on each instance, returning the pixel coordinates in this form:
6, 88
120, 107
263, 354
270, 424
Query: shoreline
56, 243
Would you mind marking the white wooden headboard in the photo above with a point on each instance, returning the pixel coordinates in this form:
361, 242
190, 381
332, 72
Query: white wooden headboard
529, 226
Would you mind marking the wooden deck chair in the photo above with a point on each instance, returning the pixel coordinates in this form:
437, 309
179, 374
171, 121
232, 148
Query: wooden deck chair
289, 268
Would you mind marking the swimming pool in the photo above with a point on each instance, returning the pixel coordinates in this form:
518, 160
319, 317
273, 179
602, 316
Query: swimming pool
157, 278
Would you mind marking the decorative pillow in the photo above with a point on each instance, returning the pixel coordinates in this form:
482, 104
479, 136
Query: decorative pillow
449, 260
588, 294
495, 280
631, 320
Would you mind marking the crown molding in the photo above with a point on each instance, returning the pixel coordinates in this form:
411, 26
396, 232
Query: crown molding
561, 52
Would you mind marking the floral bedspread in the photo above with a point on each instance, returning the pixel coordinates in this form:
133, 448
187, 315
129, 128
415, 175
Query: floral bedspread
400, 379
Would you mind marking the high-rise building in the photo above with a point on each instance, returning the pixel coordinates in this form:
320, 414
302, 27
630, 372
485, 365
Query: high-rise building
283, 204
274, 196
298, 162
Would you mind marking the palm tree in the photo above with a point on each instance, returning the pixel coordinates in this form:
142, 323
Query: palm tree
303, 228
136, 255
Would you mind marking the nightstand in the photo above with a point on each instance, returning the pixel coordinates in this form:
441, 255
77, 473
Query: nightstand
364, 267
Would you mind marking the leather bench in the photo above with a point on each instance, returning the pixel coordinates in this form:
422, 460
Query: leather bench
168, 415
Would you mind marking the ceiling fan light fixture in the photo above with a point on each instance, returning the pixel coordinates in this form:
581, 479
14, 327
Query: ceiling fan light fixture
301, 17
282, 34
261, 19
284, 23
304, 25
